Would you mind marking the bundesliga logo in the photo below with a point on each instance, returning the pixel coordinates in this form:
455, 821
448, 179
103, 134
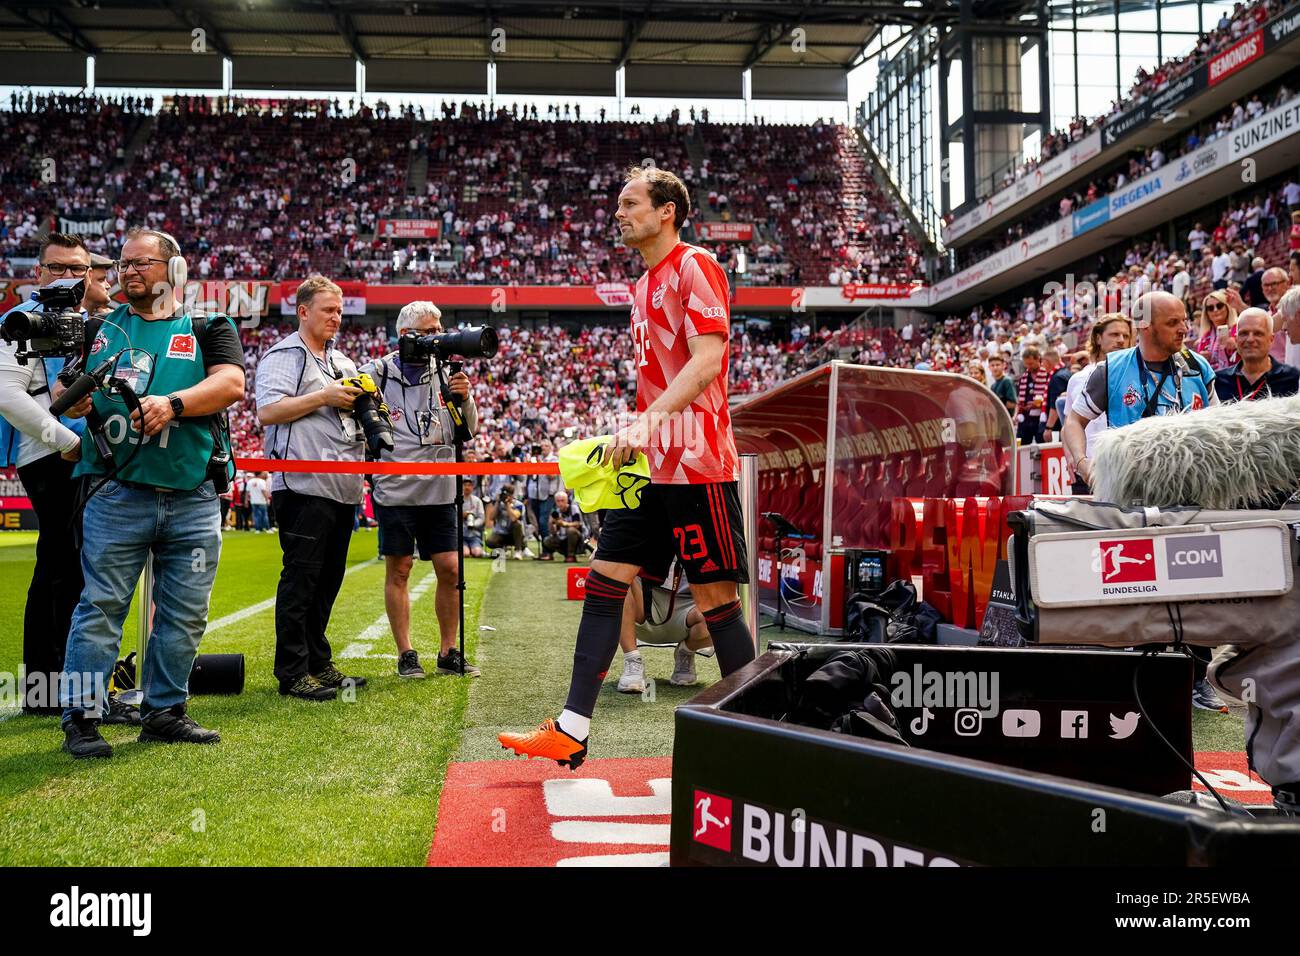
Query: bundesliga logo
712, 824
1125, 561
182, 347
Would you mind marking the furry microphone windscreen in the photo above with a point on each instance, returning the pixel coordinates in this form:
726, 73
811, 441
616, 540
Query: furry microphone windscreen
1220, 457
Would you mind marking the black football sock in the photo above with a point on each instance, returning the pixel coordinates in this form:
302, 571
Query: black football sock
602, 619
731, 637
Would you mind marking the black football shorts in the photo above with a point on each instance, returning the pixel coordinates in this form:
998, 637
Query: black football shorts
700, 525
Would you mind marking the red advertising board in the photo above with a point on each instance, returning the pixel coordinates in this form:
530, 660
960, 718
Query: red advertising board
725, 231
1236, 56
15, 509
408, 229
245, 298
354, 296
876, 290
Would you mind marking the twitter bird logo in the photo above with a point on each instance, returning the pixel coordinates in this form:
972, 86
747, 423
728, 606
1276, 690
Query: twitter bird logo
1123, 727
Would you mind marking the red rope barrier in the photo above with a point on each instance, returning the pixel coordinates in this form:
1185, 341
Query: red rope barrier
399, 467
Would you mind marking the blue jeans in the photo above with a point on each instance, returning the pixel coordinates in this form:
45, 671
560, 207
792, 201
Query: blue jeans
260, 520
121, 527
542, 508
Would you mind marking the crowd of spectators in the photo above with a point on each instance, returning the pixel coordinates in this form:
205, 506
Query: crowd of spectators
1249, 256
57, 154
1138, 164
524, 201
1230, 28
548, 382
273, 189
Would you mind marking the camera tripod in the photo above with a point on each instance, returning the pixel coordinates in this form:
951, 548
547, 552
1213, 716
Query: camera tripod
460, 435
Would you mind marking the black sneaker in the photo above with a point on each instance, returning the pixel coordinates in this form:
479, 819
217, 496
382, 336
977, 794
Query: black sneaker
307, 687
449, 663
408, 665
1205, 698
1286, 800
173, 726
331, 676
120, 713
81, 738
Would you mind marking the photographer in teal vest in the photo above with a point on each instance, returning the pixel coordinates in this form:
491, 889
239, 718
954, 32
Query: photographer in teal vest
159, 495
1159, 376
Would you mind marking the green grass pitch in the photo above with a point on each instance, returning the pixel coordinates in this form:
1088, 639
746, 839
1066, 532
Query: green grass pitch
336, 783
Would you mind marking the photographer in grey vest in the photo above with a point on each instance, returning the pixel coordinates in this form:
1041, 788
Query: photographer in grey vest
307, 413
418, 512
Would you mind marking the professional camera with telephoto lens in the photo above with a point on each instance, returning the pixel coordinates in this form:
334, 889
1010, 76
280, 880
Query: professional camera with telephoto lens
475, 342
372, 414
56, 329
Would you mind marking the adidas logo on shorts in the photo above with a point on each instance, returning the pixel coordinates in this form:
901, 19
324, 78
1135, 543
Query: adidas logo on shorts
708, 566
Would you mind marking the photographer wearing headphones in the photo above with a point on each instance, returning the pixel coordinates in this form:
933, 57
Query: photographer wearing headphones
33, 440
158, 493
308, 413
419, 511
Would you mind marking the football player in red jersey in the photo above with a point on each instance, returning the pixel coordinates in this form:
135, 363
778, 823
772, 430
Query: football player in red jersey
691, 508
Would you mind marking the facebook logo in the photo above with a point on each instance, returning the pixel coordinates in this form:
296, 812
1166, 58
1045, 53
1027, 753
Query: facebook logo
1074, 724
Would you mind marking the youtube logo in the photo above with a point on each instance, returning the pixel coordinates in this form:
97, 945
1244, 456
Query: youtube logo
1021, 723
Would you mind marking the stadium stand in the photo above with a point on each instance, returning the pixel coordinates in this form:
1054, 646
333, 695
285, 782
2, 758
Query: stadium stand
1230, 28
1063, 203
518, 201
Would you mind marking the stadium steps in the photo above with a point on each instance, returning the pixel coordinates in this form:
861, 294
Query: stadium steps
417, 170
697, 152
914, 226
139, 137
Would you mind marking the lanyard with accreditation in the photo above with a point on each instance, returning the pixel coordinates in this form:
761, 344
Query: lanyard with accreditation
1153, 400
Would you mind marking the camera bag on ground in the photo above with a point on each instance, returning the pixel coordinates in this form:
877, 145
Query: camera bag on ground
849, 695
1093, 573
894, 616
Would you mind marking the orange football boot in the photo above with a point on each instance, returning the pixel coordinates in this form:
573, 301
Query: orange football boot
547, 741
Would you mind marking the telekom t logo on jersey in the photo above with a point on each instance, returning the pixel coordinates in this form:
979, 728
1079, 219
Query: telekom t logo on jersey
1132, 560
712, 825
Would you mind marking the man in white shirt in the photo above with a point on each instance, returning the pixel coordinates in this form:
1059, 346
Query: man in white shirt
1196, 238
45, 450
1219, 267
1182, 281
259, 496
1291, 193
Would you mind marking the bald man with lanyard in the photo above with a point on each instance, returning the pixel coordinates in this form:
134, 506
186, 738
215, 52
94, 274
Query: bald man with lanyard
1158, 376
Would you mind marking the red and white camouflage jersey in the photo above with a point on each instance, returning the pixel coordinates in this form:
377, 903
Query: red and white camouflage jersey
683, 296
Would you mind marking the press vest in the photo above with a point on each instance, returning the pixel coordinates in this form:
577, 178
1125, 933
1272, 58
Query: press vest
330, 434
1128, 389
422, 431
156, 357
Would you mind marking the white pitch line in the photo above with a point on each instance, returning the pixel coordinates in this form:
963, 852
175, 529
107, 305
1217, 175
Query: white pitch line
236, 616
366, 639
617, 859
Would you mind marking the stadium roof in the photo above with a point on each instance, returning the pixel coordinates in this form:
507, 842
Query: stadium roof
738, 34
